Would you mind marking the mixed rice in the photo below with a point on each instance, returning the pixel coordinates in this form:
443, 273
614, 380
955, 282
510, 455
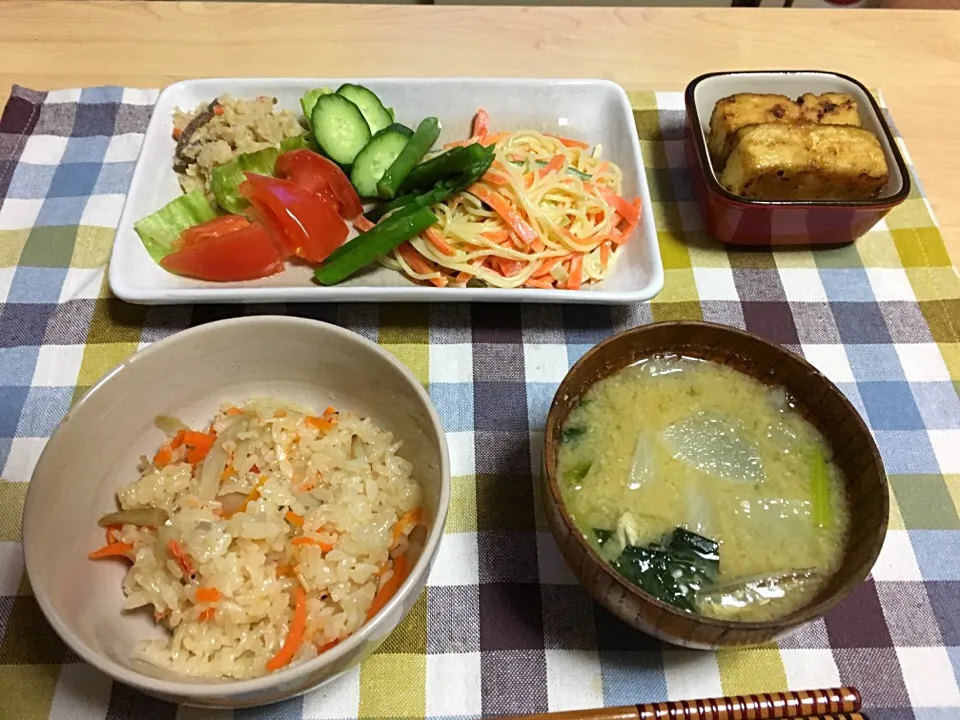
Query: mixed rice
265, 539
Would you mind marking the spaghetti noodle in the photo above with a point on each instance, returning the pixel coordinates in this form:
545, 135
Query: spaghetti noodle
547, 214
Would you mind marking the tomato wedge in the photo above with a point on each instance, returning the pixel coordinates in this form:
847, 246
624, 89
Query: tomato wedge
211, 229
244, 254
300, 222
311, 170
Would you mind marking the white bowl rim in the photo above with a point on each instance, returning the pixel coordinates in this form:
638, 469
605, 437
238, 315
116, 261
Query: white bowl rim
225, 688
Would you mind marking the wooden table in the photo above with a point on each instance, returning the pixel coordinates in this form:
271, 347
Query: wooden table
911, 55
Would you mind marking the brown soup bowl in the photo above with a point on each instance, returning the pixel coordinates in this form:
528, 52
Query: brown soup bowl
816, 398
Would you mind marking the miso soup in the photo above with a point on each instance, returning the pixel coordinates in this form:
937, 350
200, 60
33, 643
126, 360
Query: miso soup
705, 488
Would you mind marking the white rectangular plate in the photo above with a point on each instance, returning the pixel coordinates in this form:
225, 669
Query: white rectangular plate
595, 111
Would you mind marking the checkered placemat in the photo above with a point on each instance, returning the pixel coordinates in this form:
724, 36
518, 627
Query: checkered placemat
502, 627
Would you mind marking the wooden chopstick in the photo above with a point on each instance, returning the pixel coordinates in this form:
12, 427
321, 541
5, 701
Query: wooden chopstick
841, 703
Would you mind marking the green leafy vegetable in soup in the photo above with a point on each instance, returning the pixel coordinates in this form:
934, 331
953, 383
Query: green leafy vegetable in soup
705, 488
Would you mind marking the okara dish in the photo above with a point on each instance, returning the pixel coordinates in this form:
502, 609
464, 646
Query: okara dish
264, 539
217, 132
705, 488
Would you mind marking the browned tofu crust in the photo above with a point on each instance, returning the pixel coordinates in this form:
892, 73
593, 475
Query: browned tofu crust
805, 162
829, 109
737, 111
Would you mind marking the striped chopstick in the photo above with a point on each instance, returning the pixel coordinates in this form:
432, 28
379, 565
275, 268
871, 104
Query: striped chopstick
841, 703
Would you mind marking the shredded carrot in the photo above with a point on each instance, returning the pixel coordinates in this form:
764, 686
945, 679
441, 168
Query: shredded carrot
528, 178
541, 283
198, 444
295, 635
328, 646
324, 546
254, 494
481, 123
234, 411
388, 589
460, 143
486, 141
509, 268
438, 242
555, 165
319, 423
499, 237
294, 518
418, 264
111, 529
506, 210
163, 457
630, 211
575, 281
547, 265
117, 549
207, 594
206, 614
631, 222
195, 439
495, 178
180, 555
406, 523
462, 278
605, 254
362, 224
492, 138
331, 410
285, 569
195, 455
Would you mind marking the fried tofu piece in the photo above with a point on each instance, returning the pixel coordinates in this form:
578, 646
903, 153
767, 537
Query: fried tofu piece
737, 111
805, 162
829, 109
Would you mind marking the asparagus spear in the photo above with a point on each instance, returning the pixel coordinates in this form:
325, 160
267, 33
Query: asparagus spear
442, 166
417, 146
368, 246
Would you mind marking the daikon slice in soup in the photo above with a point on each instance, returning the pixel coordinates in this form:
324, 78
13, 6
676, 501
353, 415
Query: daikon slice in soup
705, 488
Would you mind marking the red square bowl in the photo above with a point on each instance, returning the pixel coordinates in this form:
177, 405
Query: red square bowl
745, 221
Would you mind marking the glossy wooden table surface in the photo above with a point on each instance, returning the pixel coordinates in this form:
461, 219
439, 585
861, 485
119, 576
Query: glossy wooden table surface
911, 55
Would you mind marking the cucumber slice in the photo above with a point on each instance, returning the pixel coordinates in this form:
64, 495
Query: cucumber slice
376, 115
339, 128
376, 157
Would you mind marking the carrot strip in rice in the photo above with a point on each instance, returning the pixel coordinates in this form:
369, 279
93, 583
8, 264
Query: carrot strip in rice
388, 589
117, 549
295, 635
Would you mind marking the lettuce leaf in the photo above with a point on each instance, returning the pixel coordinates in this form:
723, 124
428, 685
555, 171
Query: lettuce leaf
226, 178
310, 99
159, 230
